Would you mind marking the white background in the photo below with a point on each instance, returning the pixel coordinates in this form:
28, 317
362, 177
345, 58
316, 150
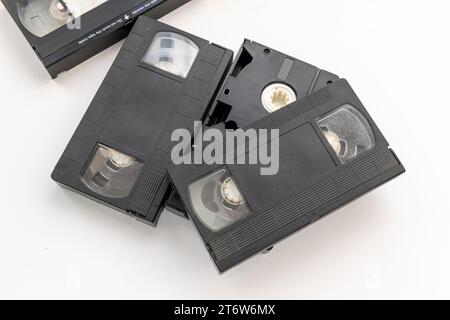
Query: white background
392, 243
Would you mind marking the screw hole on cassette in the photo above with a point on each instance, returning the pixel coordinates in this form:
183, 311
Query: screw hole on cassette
227, 92
329, 81
267, 51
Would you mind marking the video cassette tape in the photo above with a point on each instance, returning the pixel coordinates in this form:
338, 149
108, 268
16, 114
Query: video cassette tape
64, 33
261, 81
162, 79
329, 152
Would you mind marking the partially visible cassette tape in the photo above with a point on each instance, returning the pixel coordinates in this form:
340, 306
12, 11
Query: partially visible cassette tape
162, 79
261, 81
330, 153
41, 17
64, 33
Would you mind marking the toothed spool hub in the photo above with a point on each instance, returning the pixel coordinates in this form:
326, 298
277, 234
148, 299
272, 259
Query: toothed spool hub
231, 193
277, 96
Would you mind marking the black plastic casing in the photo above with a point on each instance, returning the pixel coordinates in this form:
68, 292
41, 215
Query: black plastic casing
311, 183
102, 27
135, 111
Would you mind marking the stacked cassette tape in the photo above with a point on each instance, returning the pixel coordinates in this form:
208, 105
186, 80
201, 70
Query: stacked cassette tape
163, 79
329, 149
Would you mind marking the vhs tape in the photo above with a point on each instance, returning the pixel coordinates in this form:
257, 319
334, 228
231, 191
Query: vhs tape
64, 33
162, 79
330, 152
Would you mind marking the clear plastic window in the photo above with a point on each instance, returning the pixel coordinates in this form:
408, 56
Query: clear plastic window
217, 200
111, 173
348, 132
172, 52
41, 17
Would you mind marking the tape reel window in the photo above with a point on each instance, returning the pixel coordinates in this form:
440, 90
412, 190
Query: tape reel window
172, 52
41, 17
217, 200
111, 173
348, 132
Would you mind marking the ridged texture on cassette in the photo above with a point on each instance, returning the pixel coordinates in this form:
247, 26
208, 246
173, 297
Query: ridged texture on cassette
302, 204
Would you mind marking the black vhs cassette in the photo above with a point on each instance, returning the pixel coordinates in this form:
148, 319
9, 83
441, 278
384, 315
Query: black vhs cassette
162, 79
64, 33
330, 152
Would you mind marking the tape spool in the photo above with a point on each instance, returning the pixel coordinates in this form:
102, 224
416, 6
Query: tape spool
348, 132
276, 96
217, 200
